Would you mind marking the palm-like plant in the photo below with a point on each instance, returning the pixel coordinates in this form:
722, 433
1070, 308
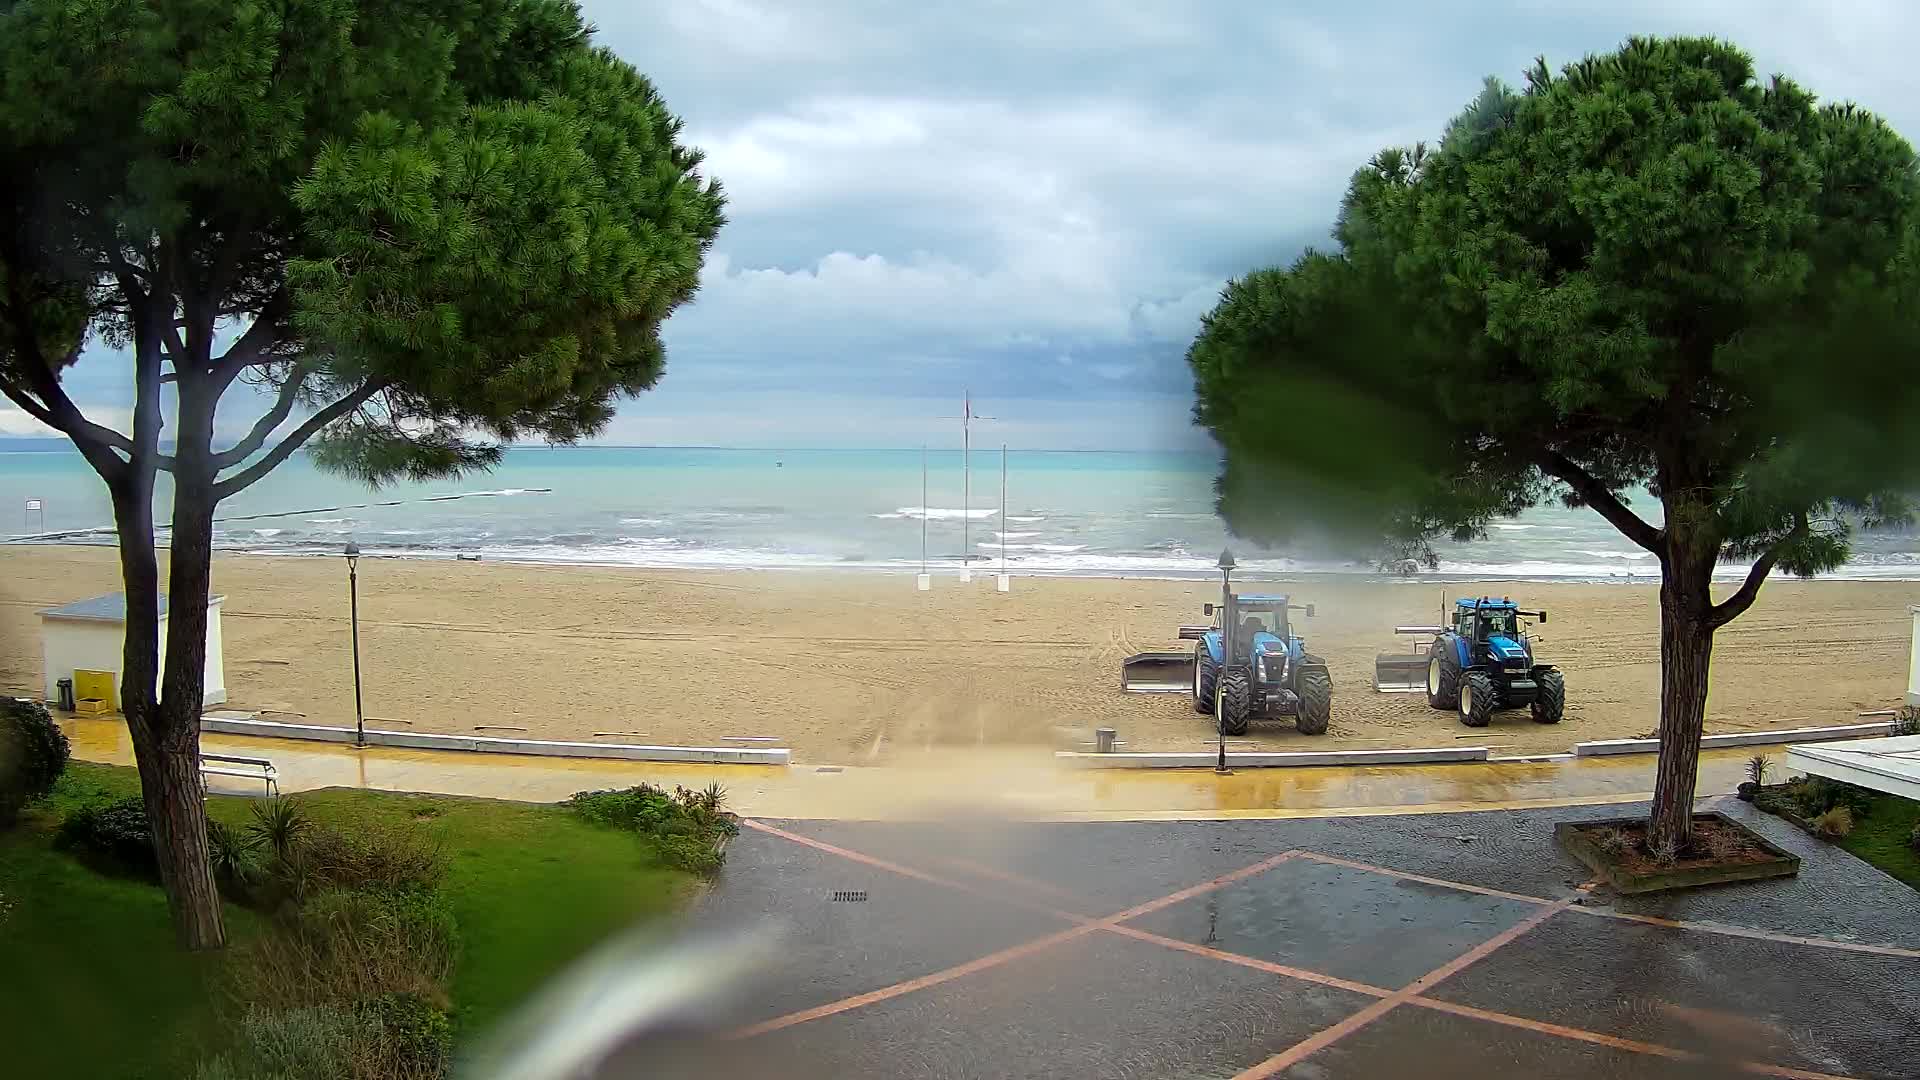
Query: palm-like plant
231, 853
279, 823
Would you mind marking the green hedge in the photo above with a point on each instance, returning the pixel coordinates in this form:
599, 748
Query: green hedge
33, 754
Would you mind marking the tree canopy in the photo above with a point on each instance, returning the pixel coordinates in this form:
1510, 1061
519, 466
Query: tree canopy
418, 220
421, 227
1648, 271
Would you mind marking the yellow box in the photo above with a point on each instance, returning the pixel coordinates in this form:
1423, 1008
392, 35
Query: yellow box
92, 706
96, 684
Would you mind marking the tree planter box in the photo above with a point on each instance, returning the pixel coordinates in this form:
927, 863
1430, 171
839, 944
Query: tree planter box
1577, 839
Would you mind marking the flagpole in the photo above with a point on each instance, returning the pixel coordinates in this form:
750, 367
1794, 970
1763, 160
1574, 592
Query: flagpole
1002, 584
966, 487
924, 582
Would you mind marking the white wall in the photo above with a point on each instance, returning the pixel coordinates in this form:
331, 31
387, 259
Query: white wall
97, 645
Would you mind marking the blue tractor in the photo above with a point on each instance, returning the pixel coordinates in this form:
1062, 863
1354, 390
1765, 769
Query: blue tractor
1269, 673
1483, 661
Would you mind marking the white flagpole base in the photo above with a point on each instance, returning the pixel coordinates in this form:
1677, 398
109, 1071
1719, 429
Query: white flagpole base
923, 582
966, 574
1003, 583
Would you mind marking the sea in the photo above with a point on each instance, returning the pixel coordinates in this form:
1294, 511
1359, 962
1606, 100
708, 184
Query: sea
1098, 514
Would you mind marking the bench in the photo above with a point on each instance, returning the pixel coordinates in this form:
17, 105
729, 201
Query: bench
251, 768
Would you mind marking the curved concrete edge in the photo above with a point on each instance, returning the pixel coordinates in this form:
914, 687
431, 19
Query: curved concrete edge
1261, 760
412, 740
1610, 747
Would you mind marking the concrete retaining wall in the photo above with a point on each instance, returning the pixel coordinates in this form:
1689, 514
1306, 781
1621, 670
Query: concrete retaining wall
412, 740
1609, 747
1260, 760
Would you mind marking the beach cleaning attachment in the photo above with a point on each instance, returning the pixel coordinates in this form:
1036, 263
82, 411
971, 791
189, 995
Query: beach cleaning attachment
1406, 672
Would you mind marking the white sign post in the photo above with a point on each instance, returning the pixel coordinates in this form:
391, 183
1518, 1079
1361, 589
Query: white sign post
34, 506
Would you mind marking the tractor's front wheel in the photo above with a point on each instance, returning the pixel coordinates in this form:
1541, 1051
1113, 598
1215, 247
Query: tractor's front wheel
1476, 699
1550, 704
1204, 674
1316, 703
1236, 701
1443, 675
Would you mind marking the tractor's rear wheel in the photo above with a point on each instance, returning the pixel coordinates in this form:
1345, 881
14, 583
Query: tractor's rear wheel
1443, 675
1204, 675
1236, 701
1316, 703
1550, 704
1476, 699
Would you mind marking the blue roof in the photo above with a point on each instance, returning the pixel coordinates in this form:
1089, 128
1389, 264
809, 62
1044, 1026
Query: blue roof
109, 608
1486, 603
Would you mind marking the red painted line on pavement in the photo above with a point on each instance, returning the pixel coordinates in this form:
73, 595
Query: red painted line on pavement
910, 872
1319, 1041
910, 985
1673, 924
1561, 1031
1192, 891
1387, 1000
1442, 882
1254, 962
1758, 935
1008, 877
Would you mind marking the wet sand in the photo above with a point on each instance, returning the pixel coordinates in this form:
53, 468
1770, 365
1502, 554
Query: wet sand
859, 668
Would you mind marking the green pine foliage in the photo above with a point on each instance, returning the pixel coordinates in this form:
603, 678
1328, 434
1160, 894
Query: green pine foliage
1651, 272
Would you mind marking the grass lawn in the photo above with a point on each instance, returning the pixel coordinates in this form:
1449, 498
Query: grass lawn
97, 989
1881, 837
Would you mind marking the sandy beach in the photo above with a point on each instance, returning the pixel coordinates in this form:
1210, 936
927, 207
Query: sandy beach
859, 668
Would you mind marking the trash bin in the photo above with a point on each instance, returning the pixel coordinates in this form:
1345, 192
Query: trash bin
66, 695
1103, 740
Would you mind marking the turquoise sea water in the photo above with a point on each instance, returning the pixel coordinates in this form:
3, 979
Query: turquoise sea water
1105, 514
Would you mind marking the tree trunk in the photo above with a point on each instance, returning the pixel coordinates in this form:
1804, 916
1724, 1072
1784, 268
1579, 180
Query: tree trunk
174, 787
1686, 653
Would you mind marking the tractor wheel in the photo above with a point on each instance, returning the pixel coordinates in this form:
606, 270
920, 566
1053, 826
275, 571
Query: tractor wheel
1443, 675
1551, 702
1316, 703
1476, 699
1204, 675
1236, 701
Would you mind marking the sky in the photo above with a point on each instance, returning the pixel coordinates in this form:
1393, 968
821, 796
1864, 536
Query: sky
1035, 203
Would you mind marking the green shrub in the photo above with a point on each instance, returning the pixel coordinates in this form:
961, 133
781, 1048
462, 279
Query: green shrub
374, 857
1815, 795
392, 1037
686, 827
416, 1039
116, 836
33, 754
344, 946
1834, 824
1913, 838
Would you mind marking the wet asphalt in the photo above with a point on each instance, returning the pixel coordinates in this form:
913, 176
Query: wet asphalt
1577, 995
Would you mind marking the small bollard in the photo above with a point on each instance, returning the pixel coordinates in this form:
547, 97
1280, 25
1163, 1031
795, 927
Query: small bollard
1103, 740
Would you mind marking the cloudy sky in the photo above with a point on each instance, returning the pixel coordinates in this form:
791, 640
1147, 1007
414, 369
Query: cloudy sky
1036, 202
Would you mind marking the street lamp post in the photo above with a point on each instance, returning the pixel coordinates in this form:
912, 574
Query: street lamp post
353, 594
1226, 655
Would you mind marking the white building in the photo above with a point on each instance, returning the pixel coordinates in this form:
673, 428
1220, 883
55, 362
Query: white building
90, 636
